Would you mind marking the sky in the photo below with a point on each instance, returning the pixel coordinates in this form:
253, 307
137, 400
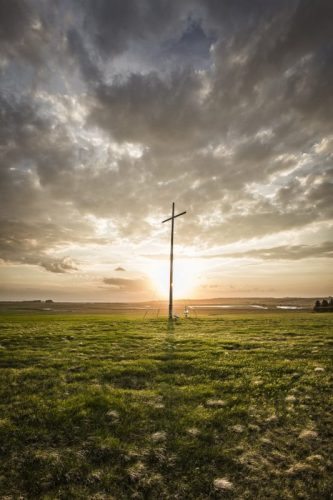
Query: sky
110, 110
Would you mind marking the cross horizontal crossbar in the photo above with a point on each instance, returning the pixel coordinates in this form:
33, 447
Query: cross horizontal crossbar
170, 218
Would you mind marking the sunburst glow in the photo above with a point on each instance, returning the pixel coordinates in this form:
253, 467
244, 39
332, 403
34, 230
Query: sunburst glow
186, 277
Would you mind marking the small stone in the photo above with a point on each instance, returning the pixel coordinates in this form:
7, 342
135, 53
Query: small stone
113, 414
136, 471
266, 440
193, 431
223, 484
315, 458
159, 436
308, 434
215, 402
238, 428
272, 418
158, 406
299, 467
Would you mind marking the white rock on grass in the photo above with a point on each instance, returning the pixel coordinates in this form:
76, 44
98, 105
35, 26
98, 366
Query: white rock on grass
299, 467
271, 418
136, 471
159, 436
254, 427
291, 398
215, 402
266, 440
314, 458
193, 431
319, 369
238, 428
113, 414
308, 434
223, 484
158, 406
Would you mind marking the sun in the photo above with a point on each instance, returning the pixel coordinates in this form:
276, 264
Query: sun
185, 277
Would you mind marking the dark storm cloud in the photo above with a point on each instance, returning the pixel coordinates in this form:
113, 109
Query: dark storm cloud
314, 195
114, 24
310, 27
14, 19
26, 244
249, 92
148, 109
36, 152
88, 68
35, 161
235, 98
24, 30
192, 46
18, 120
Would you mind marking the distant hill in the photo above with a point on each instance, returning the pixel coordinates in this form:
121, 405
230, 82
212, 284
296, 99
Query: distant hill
224, 303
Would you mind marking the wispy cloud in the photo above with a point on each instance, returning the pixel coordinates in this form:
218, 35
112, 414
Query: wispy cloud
126, 284
292, 252
285, 252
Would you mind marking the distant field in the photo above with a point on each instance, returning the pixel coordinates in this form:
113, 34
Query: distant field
160, 308
230, 406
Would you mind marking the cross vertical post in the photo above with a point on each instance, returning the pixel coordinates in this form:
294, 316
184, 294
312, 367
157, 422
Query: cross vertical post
171, 263
172, 218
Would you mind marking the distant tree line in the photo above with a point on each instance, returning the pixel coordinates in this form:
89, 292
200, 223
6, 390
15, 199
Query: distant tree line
326, 305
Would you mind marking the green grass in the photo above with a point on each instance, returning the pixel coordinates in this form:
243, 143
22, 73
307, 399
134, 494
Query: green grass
102, 407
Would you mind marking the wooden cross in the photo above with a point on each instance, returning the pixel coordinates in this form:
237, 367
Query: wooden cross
172, 218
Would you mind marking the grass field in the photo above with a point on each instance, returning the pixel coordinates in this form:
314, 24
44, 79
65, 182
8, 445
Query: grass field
104, 407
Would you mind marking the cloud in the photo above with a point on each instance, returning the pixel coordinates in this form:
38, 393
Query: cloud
77, 49
14, 17
58, 265
285, 252
194, 45
115, 25
24, 31
30, 252
152, 110
126, 284
112, 110
119, 268
37, 244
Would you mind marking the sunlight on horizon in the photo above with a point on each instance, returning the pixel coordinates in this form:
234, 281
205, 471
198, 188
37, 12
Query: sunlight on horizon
186, 277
